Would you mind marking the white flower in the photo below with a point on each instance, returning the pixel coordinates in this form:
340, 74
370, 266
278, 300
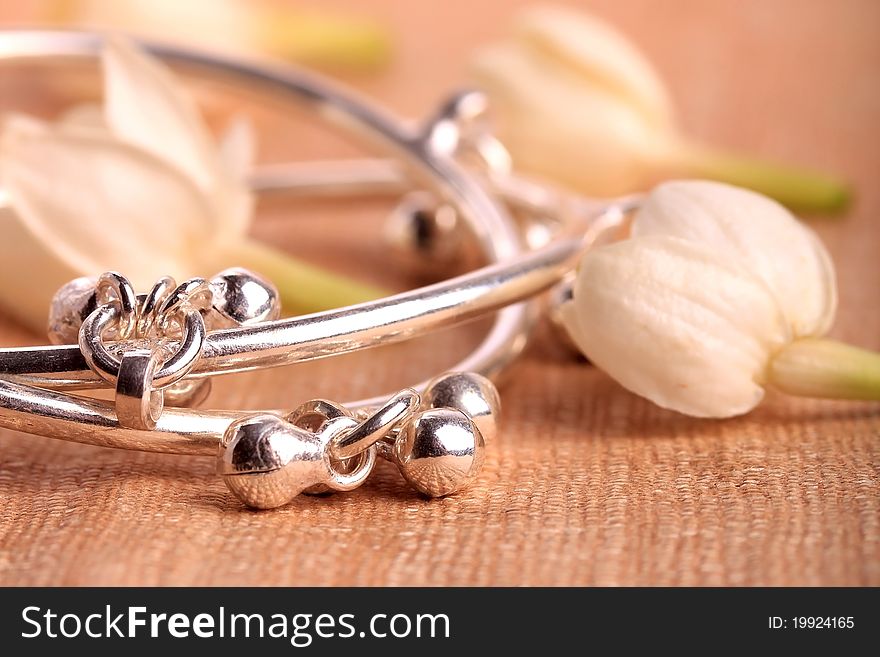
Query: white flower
713, 286
137, 186
577, 103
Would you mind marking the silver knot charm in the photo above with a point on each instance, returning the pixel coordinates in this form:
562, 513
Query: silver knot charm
266, 461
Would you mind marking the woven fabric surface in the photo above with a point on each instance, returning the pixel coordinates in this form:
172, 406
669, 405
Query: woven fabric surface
586, 484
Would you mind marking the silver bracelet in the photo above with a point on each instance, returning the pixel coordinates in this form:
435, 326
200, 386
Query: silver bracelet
160, 347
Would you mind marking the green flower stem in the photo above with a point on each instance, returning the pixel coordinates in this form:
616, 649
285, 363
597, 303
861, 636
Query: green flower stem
800, 189
813, 367
324, 40
304, 288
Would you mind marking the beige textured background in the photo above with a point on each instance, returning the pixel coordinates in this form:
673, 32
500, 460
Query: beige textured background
587, 484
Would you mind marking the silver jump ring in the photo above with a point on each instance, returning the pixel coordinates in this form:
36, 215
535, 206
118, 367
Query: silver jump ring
398, 409
347, 474
333, 421
91, 342
314, 414
149, 307
106, 365
188, 352
113, 288
138, 404
192, 295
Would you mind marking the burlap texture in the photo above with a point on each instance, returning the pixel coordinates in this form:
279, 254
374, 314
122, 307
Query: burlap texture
586, 483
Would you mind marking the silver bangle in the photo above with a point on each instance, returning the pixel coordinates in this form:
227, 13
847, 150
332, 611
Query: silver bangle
268, 457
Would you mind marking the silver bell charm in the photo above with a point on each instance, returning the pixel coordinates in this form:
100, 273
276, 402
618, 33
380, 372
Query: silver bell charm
266, 461
189, 393
439, 451
238, 298
424, 235
72, 303
469, 392
241, 298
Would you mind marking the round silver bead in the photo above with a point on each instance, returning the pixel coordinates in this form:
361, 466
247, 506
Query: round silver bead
423, 234
469, 392
241, 297
189, 393
72, 303
439, 451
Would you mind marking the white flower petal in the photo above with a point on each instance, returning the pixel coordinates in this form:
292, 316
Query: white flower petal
238, 147
147, 108
85, 116
757, 231
226, 26
30, 273
676, 322
234, 212
232, 198
556, 126
601, 55
98, 204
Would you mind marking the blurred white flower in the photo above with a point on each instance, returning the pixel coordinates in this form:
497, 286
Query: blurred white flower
137, 186
577, 102
717, 292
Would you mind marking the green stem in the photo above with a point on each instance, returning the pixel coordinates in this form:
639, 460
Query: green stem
324, 41
800, 189
814, 367
304, 288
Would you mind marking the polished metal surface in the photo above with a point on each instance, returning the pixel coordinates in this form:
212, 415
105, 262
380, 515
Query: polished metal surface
392, 319
267, 461
196, 432
151, 305
113, 289
242, 298
439, 452
138, 404
72, 303
188, 393
377, 425
194, 295
471, 393
423, 234
314, 415
104, 363
346, 474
